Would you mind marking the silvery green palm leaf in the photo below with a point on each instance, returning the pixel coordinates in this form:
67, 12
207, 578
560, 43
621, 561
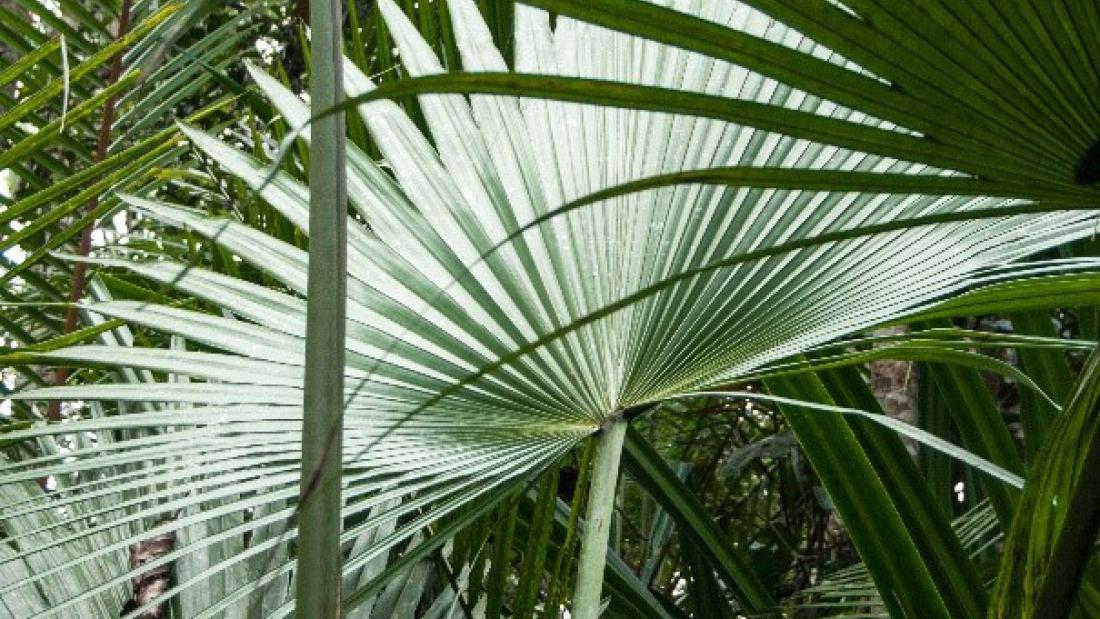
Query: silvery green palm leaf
481, 348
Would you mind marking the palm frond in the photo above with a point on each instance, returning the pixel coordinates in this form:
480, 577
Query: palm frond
472, 364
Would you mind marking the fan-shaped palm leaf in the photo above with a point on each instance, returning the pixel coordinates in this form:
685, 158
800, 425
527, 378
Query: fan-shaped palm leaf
473, 362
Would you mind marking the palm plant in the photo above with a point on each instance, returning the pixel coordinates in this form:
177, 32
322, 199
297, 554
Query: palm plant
541, 271
86, 111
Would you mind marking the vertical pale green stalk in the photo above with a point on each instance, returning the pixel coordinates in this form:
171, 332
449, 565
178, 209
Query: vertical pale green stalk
597, 522
319, 559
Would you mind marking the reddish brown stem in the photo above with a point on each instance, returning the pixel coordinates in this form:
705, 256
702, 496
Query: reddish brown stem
103, 144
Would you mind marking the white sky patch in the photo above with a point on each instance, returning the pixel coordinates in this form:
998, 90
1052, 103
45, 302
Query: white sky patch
52, 6
15, 254
119, 221
8, 378
268, 48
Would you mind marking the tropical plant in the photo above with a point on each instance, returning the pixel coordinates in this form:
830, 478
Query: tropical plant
87, 111
652, 208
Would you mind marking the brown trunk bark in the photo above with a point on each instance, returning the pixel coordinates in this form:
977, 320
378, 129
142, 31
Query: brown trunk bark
894, 384
80, 269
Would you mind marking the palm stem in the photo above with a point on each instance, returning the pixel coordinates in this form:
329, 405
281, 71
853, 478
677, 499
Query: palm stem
597, 525
319, 561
